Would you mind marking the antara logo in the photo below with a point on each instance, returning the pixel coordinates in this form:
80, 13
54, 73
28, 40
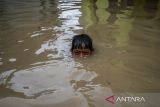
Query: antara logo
112, 99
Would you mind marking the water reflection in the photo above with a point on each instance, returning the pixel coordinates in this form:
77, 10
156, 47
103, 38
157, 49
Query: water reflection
52, 72
115, 38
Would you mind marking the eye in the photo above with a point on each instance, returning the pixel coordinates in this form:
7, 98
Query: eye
76, 52
86, 52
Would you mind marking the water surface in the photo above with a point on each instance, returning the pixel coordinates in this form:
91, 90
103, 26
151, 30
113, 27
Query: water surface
37, 68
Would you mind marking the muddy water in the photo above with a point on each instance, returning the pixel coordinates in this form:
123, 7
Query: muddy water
37, 68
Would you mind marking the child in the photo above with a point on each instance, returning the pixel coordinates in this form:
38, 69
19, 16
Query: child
82, 45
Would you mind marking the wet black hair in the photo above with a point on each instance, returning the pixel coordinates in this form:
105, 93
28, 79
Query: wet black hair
78, 40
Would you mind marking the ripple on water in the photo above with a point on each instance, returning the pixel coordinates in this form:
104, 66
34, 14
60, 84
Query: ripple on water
36, 34
12, 60
5, 76
1, 63
25, 49
20, 41
83, 75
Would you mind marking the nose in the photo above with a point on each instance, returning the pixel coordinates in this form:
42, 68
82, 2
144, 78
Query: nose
81, 55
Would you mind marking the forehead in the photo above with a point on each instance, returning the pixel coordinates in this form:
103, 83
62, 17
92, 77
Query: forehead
77, 49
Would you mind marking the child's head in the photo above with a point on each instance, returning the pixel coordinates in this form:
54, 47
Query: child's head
82, 45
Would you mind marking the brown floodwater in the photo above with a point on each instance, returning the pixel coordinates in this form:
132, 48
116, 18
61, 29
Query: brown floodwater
38, 70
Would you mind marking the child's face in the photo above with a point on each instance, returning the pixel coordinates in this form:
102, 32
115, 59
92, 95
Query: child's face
81, 52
